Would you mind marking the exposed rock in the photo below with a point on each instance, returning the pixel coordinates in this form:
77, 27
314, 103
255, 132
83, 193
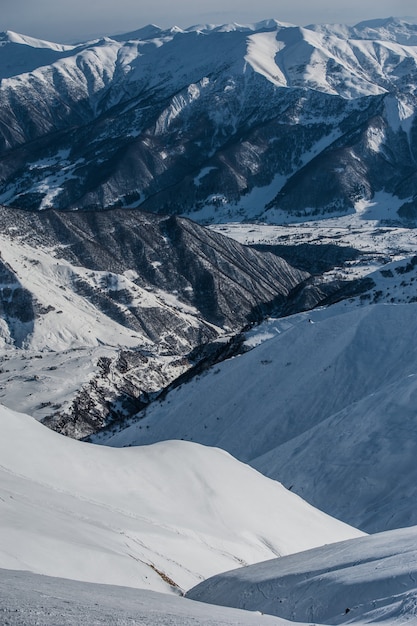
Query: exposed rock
315, 119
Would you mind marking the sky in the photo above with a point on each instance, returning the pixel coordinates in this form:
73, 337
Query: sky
75, 20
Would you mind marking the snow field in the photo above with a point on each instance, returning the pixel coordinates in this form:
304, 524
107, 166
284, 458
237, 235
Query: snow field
327, 408
157, 517
30, 599
367, 580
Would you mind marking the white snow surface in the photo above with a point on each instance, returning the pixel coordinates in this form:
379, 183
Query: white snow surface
73, 321
15, 38
285, 54
159, 517
30, 600
366, 580
367, 230
328, 408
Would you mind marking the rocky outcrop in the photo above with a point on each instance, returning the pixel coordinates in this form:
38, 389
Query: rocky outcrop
172, 286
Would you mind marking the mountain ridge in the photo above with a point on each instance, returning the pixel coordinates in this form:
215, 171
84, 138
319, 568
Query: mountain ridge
129, 516
196, 121
145, 297
327, 398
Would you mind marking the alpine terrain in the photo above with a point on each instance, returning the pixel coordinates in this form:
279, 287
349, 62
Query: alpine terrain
270, 120
208, 326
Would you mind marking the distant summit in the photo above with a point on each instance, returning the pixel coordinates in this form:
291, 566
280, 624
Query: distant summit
266, 121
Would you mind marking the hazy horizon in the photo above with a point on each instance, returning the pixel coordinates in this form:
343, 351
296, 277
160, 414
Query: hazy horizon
77, 21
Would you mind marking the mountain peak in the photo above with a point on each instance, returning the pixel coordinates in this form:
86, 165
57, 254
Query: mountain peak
9, 36
390, 28
150, 31
160, 85
378, 22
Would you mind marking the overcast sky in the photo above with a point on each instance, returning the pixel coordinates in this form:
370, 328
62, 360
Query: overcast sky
72, 20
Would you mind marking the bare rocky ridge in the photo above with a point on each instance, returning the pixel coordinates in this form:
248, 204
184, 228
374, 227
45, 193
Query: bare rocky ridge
182, 294
204, 288
227, 283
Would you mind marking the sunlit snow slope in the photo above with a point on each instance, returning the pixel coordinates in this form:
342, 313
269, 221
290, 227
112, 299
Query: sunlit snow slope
160, 517
328, 408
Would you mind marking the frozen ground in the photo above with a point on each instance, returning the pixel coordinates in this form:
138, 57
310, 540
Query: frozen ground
32, 600
38, 382
367, 580
370, 230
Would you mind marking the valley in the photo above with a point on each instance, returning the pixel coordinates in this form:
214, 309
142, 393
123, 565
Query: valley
208, 326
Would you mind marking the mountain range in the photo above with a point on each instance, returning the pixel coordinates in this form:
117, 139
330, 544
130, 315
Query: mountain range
272, 121
208, 271
141, 298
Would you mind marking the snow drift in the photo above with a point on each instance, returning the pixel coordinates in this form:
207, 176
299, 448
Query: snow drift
367, 580
160, 517
31, 599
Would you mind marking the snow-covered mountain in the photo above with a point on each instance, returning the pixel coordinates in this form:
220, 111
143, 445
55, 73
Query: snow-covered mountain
324, 402
270, 120
101, 310
284, 334
158, 517
367, 580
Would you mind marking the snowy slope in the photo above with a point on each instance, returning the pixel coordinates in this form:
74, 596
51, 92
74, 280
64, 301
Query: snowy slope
161, 517
20, 54
328, 408
29, 600
219, 121
367, 580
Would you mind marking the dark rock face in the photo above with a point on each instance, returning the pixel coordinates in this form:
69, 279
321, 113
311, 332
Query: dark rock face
16, 306
228, 284
198, 287
177, 122
352, 169
310, 258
